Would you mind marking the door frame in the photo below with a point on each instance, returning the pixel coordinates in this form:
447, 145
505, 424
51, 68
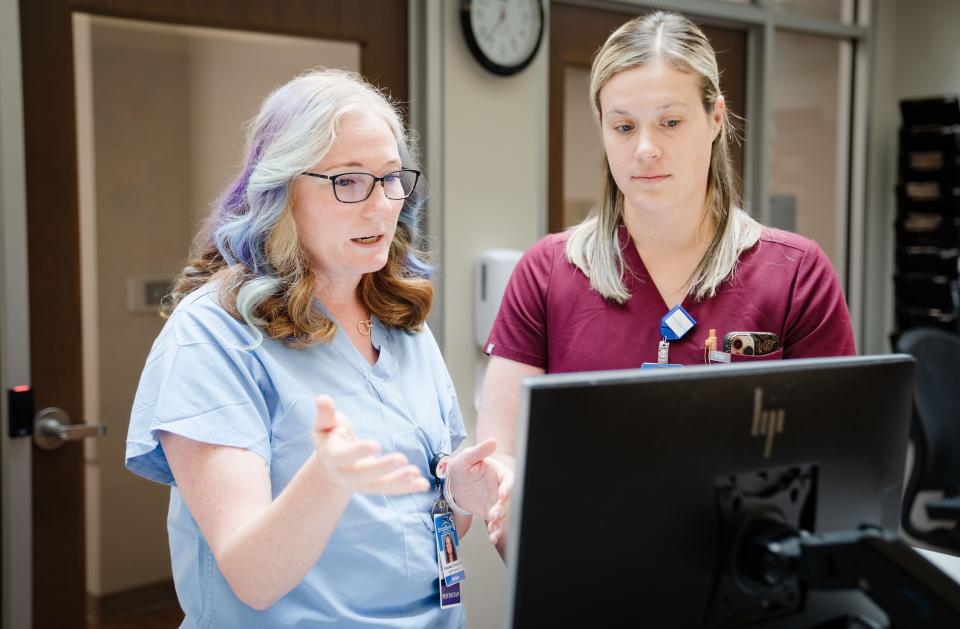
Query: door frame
49, 169
15, 469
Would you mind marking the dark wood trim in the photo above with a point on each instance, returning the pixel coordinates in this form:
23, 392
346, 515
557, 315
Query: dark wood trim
134, 600
379, 26
54, 262
576, 34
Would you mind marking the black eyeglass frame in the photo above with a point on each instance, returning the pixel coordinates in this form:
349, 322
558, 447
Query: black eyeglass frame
333, 183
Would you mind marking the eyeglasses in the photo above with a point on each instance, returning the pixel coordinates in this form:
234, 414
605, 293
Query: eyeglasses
357, 187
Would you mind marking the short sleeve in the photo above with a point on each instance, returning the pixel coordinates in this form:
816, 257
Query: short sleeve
818, 321
520, 330
196, 385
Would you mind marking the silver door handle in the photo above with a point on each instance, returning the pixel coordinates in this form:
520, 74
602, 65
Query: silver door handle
52, 428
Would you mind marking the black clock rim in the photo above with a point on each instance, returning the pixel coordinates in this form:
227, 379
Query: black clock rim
478, 54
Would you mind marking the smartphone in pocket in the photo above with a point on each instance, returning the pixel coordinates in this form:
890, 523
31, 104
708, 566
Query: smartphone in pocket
751, 343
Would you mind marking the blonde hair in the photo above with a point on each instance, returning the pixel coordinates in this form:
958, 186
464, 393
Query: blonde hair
250, 242
593, 245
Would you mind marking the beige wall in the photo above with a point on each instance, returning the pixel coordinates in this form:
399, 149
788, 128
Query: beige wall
167, 109
496, 126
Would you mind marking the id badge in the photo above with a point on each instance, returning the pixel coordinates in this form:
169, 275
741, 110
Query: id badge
449, 594
448, 549
718, 357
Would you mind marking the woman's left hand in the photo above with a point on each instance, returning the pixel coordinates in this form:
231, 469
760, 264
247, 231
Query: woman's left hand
477, 481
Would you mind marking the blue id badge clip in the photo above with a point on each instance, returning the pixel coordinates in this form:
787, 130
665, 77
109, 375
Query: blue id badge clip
673, 326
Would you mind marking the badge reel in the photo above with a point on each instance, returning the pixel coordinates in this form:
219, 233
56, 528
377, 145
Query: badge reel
447, 541
673, 326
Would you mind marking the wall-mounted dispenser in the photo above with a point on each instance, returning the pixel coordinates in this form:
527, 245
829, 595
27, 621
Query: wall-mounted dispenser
493, 270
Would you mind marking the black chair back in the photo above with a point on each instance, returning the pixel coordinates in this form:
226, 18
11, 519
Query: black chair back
935, 429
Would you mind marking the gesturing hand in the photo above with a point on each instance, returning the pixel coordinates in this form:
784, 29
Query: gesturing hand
353, 463
478, 483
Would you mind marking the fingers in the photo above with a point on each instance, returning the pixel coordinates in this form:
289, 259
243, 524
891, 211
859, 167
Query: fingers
346, 453
497, 513
327, 418
370, 468
475, 454
496, 532
405, 480
506, 487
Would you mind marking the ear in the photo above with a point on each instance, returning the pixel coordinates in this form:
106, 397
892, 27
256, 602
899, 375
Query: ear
716, 117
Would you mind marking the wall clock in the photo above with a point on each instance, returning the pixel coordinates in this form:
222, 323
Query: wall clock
503, 35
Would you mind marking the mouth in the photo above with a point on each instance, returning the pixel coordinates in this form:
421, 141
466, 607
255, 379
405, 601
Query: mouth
650, 178
368, 240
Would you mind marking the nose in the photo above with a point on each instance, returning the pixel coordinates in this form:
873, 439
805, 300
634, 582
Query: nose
378, 202
647, 148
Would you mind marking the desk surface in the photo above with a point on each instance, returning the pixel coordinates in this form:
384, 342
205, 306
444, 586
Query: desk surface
947, 563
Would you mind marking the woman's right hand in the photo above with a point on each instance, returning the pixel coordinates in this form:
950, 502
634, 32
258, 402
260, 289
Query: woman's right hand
352, 464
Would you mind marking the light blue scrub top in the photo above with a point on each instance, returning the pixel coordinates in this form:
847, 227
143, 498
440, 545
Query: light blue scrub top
203, 381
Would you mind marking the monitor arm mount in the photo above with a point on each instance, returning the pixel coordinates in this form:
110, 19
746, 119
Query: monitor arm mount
911, 590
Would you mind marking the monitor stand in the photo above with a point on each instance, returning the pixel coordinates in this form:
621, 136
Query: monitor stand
911, 591
773, 560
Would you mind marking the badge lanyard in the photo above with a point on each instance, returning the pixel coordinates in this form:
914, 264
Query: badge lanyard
673, 326
447, 540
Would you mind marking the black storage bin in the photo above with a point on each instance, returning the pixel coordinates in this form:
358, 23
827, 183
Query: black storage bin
926, 290
928, 165
928, 197
928, 229
930, 152
928, 259
933, 110
912, 317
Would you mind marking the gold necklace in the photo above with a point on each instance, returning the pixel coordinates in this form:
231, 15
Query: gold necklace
364, 326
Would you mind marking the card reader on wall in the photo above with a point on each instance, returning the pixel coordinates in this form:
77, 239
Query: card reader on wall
493, 270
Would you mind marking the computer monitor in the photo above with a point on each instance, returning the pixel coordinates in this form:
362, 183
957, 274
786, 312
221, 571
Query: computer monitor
628, 482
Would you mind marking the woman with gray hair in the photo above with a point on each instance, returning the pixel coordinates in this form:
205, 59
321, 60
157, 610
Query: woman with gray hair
283, 511
667, 261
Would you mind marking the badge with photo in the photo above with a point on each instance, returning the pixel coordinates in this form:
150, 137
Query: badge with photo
448, 549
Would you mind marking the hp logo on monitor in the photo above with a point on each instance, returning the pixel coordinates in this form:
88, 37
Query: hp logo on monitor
766, 424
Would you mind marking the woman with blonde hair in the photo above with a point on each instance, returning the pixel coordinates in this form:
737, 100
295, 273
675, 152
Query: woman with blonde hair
283, 512
667, 255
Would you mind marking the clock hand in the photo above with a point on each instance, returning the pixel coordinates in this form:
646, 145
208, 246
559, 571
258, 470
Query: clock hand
503, 17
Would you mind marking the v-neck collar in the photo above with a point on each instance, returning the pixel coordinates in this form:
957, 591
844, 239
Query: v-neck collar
635, 265
379, 337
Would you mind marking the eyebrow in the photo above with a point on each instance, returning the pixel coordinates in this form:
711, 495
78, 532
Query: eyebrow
392, 162
672, 104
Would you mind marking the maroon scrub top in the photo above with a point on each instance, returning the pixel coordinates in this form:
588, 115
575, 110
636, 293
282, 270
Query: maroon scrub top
551, 318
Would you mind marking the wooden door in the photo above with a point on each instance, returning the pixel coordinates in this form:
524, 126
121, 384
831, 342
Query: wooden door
576, 34
379, 26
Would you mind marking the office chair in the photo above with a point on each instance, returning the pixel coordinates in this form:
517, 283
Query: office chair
935, 432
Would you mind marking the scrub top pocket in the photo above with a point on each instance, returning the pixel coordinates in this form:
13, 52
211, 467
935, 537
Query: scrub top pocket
744, 358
